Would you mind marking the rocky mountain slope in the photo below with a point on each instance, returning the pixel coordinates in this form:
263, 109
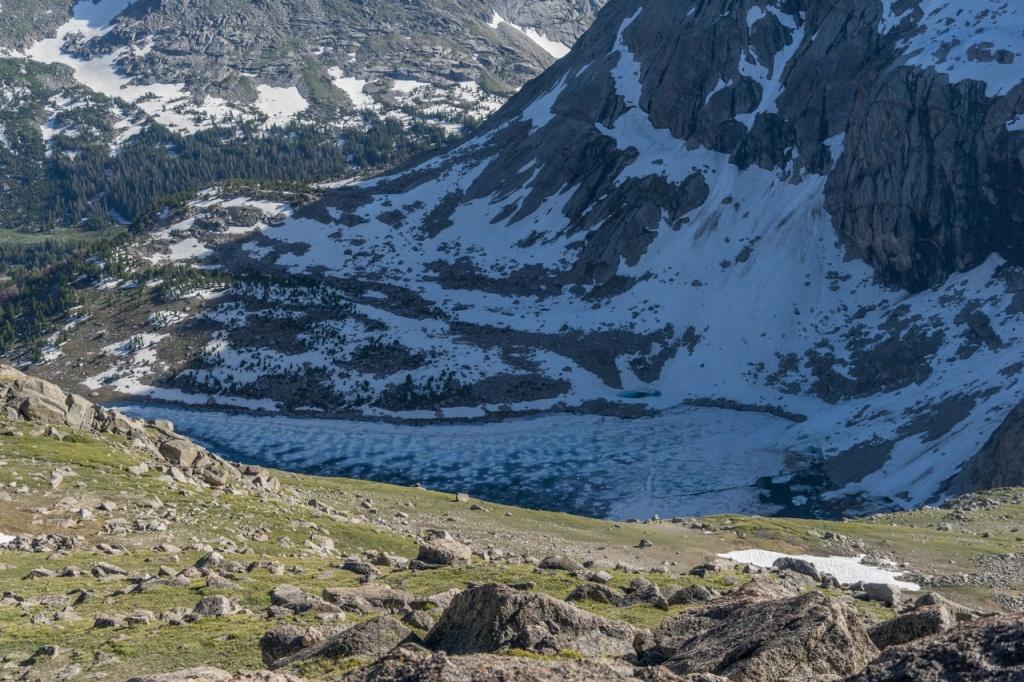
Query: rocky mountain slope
111, 110
803, 213
129, 552
191, 65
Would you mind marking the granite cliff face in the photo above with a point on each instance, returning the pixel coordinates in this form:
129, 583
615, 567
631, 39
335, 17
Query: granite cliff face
801, 212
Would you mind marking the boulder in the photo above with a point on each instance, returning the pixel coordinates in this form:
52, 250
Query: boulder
215, 605
374, 596
922, 622
421, 620
489, 618
298, 601
692, 594
642, 591
560, 563
987, 649
797, 566
886, 593
36, 407
44, 388
180, 452
960, 612
80, 412
371, 638
807, 637
441, 600
280, 642
599, 593
441, 549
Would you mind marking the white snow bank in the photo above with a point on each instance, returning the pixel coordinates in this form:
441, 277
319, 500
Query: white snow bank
552, 47
845, 569
353, 87
6, 539
280, 105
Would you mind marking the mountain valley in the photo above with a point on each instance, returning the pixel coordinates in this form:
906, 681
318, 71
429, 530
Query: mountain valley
511, 341
635, 231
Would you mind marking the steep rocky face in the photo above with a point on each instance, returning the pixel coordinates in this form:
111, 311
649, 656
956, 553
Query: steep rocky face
563, 21
999, 463
929, 182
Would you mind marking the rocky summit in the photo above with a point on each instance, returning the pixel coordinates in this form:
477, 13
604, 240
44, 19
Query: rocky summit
127, 551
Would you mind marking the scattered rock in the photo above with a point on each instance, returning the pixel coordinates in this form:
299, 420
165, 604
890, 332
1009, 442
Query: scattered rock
214, 606
203, 674
414, 664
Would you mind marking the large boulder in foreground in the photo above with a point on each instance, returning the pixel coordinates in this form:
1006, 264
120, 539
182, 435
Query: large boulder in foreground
911, 626
439, 548
808, 637
489, 618
410, 664
989, 649
371, 638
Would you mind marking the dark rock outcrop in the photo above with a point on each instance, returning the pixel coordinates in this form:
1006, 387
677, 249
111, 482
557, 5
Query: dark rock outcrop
490, 618
990, 649
371, 638
998, 463
809, 637
922, 622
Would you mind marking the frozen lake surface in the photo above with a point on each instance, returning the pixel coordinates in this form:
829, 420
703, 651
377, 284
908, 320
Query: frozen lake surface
684, 461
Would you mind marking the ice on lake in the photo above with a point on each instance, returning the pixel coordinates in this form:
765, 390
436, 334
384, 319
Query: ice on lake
684, 461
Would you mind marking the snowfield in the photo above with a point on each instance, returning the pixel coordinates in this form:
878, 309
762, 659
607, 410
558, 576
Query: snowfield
168, 103
846, 570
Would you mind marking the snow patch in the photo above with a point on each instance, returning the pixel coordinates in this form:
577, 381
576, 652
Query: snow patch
846, 570
280, 105
980, 40
352, 87
552, 47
